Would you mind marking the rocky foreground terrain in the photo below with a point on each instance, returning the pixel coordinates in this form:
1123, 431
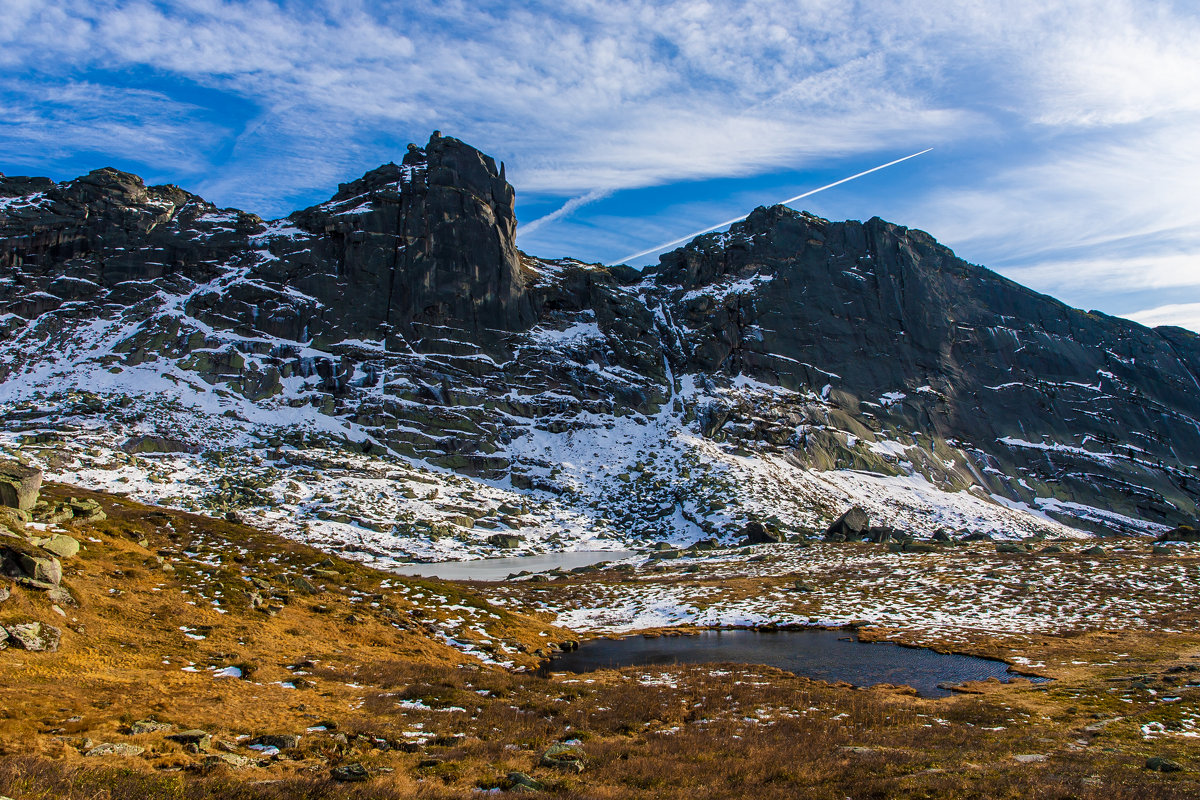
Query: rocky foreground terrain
149, 653
222, 437
388, 373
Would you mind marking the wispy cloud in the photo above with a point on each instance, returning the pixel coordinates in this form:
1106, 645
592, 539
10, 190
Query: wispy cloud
1063, 127
1185, 315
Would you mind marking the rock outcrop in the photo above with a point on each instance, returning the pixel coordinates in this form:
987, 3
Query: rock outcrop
402, 311
19, 485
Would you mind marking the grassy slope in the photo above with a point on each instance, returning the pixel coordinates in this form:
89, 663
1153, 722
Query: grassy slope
694, 732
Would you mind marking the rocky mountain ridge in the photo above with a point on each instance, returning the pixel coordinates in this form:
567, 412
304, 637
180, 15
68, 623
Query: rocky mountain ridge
331, 371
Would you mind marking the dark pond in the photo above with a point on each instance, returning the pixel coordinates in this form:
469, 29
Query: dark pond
819, 654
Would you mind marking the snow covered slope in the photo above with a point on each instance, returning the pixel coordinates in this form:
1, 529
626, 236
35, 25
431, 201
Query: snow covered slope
385, 372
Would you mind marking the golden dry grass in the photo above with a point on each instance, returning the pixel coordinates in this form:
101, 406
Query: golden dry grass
429, 721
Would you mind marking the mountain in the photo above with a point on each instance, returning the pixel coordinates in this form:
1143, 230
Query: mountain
388, 374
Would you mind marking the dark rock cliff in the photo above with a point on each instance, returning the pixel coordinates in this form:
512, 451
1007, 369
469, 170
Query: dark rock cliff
401, 306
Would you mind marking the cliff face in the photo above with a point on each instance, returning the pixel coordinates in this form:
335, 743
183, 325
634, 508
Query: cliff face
400, 313
1085, 404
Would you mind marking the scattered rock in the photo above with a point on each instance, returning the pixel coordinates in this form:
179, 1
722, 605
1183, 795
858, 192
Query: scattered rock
87, 510
19, 485
304, 585
1160, 764
61, 596
231, 760
1184, 533
116, 749
34, 637
851, 524
157, 444
563, 757
286, 741
350, 773
195, 738
1029, 758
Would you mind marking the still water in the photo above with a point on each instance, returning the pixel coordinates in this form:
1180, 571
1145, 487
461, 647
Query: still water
497, 569
818, 654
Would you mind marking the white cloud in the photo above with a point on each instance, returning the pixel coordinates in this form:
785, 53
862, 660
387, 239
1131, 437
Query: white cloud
1071, 120
1184, 315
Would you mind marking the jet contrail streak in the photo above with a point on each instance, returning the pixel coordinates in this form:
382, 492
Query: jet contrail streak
691, 236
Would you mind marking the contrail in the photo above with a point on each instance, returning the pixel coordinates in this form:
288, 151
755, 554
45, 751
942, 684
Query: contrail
691, 236
567, 208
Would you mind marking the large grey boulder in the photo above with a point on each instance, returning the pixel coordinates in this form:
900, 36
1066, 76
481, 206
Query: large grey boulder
43, 570
852, 524
19, 485
754, 532
62, 546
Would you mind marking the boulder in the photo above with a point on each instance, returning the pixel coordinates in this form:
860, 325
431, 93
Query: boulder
303, 585
504, 540
12, 520
43, 570
520, 782
195, 738
87, 509
755, 532
116, 749
1011, 548
1095, 550
286, 741
19, 485
4, 593
1161, 764
1161, 550
852, 524
564, 757
62, 546
157, 444
34, 637
881, 534
148, 726
1183, 533
61, 596
231, 760
350, 773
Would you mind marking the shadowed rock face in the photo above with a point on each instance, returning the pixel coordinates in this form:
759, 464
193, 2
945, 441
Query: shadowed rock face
423, 245
919, 337
403, 307
427, 244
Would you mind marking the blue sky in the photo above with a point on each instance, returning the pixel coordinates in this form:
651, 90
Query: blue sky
1066, 135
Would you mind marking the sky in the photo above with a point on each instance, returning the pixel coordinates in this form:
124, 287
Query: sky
1065, 135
